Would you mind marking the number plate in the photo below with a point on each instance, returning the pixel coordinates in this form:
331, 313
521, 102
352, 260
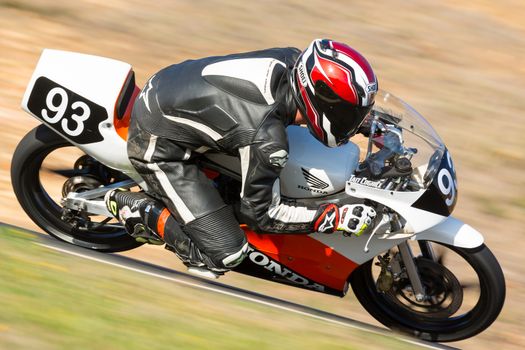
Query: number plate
68, 113
441, 196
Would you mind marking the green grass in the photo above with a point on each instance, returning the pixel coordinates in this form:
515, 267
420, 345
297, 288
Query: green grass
50, 300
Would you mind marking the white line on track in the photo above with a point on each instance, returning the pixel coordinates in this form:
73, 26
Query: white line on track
244, 297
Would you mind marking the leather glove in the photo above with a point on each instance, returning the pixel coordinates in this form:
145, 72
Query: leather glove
355, 218
350, 218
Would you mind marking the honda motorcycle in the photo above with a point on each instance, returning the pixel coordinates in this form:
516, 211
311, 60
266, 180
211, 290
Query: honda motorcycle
417, 269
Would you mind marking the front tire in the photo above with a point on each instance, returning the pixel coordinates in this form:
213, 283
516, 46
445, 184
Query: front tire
42, 209
441, 328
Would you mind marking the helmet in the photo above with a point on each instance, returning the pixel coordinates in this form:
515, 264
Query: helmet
334, 88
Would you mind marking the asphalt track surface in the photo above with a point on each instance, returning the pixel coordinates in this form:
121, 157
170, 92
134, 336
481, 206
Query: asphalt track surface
192, 281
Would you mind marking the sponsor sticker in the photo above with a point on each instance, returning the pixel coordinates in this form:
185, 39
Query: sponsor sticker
273, 266
371, 88
365, 182
313, 181
302, 74
315, 184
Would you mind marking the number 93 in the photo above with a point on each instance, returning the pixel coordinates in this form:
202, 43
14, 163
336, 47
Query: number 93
60, 111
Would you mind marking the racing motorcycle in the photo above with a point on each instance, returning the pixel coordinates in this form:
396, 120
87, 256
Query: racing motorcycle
417, 269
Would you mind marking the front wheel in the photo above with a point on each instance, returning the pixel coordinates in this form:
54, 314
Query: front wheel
454, 308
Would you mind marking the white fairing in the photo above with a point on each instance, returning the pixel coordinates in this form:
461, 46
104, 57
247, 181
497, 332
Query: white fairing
314, 170
450, 231
454, 232
97, 79
417, 219
353, 247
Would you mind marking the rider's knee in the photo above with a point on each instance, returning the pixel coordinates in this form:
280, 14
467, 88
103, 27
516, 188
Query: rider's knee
219, 236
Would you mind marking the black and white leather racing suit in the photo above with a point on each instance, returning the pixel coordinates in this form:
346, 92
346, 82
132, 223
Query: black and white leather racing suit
238, 104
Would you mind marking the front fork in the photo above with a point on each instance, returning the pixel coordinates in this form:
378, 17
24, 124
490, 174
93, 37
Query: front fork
427, 251
408, 259
411, 269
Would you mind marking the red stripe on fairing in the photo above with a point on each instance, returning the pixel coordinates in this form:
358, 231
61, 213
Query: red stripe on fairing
340, 76
311, 112
357, 57
306, 256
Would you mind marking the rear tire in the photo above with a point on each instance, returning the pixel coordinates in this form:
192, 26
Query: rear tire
457, 327
36, 202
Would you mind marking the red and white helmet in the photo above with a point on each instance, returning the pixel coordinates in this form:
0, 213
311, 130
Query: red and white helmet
334, 87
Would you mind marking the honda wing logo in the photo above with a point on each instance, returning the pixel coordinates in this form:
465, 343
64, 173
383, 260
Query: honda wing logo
314, 181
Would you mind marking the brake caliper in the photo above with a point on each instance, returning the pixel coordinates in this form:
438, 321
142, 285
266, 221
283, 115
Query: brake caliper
385, 280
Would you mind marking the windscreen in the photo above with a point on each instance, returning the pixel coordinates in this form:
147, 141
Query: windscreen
415, 132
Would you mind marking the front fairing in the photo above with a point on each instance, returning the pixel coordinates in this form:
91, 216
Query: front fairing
417, 133
425, 192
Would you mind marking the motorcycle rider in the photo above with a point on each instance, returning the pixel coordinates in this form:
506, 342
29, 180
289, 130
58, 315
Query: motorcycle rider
240, 105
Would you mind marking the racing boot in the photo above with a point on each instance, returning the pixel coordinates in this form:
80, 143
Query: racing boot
130, 208
148, 221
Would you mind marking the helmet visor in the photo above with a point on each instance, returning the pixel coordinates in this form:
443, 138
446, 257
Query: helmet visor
345, 118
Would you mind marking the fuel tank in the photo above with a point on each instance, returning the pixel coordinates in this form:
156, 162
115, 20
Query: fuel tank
314, 170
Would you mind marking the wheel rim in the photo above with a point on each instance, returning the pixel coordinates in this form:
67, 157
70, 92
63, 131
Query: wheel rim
47, 208
444, 290
443, 319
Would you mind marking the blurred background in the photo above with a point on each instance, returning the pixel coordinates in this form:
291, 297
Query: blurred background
459, 63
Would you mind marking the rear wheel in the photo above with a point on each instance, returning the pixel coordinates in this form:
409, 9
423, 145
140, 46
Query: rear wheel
39, 190
462, 299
